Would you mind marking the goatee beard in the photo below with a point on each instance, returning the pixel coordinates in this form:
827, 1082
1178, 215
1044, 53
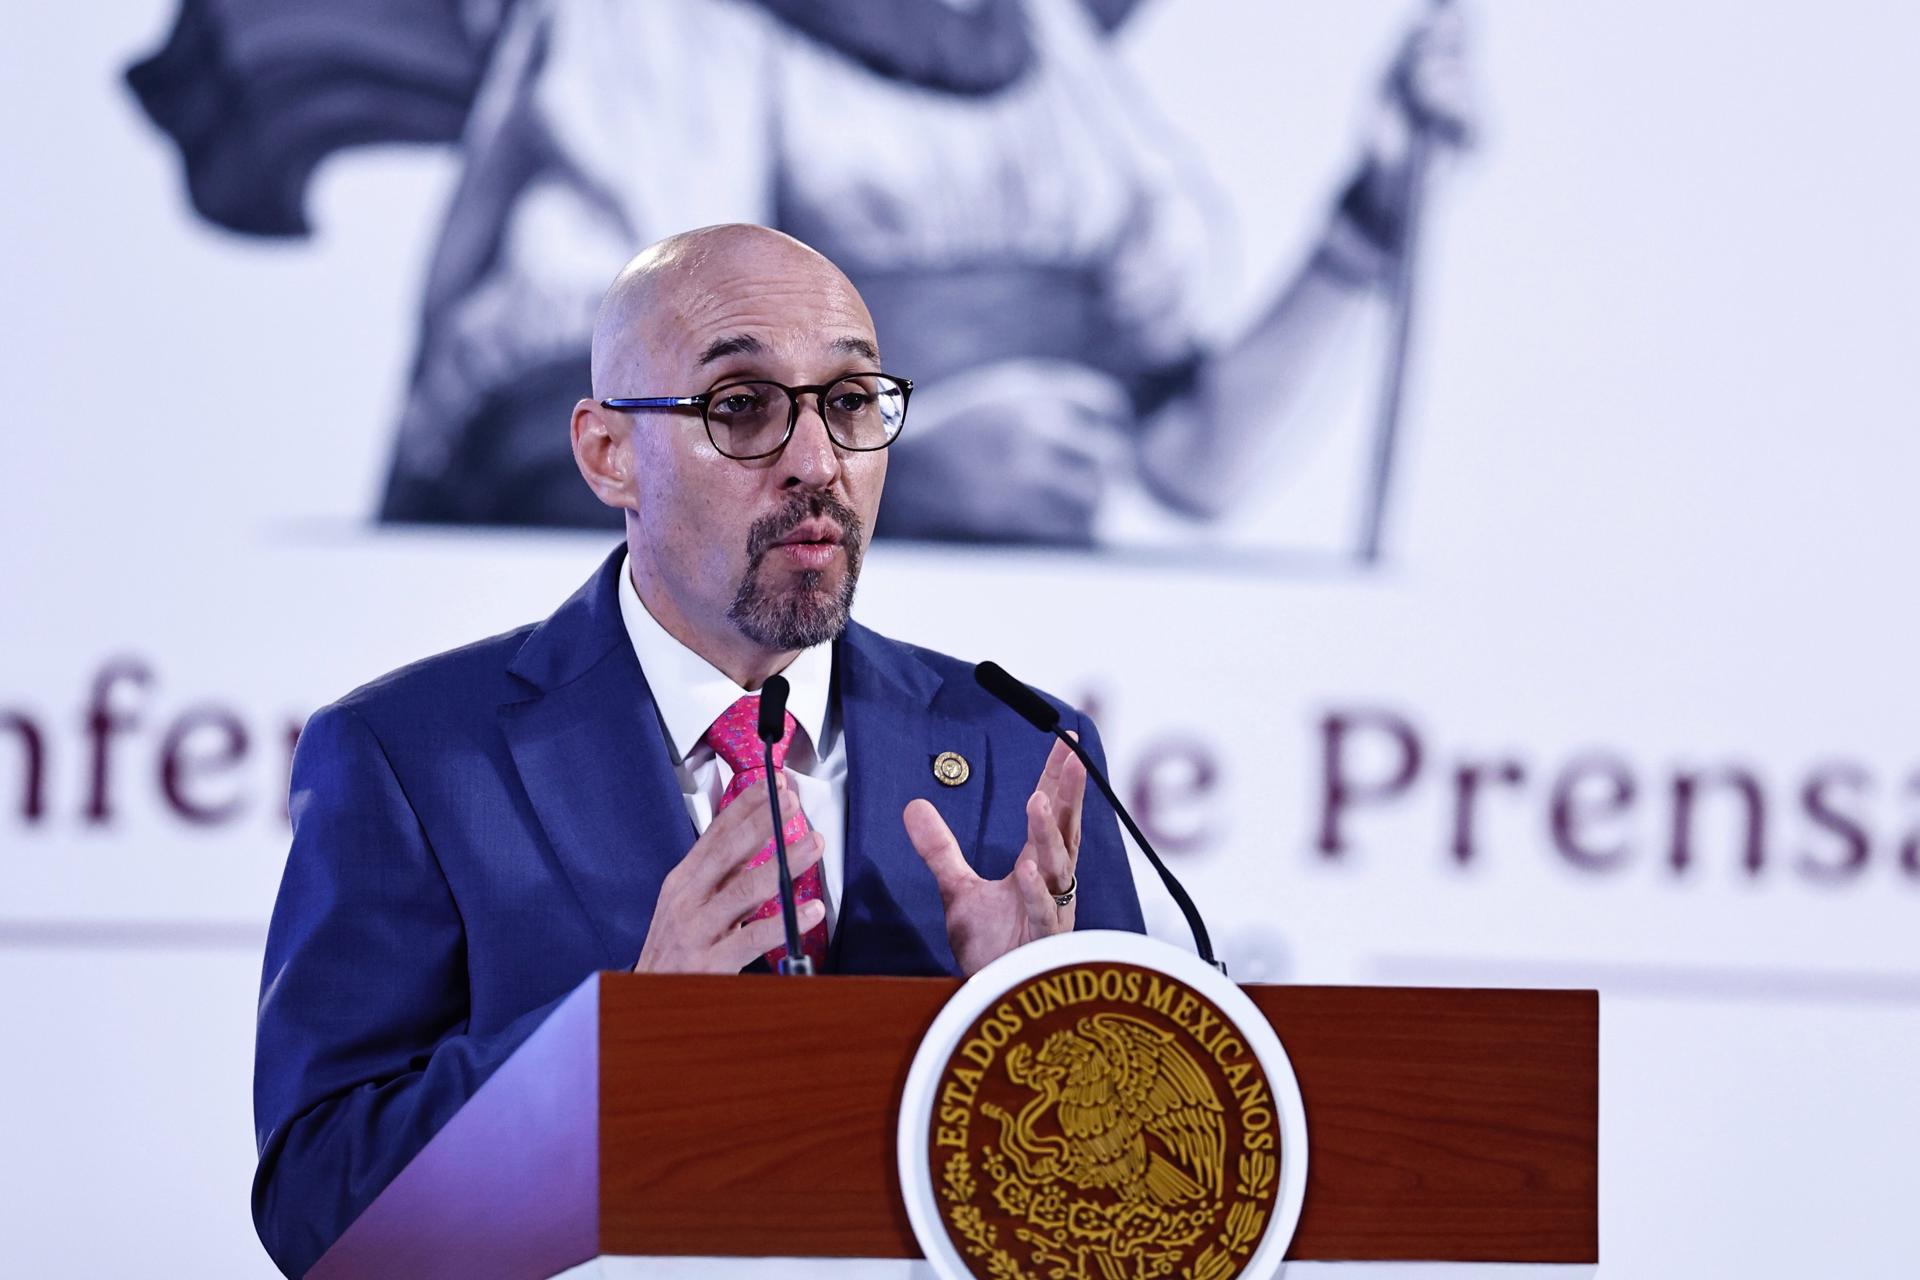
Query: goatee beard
803, 614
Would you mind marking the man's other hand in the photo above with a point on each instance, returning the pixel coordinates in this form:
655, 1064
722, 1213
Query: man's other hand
988, 918
700, 923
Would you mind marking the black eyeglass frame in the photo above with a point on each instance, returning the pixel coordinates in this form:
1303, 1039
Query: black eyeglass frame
626, 404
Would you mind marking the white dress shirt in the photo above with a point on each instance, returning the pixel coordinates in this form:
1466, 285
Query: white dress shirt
691, 693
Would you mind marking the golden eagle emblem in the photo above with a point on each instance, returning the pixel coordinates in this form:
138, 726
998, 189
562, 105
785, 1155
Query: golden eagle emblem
1104, 1122
1111, 1082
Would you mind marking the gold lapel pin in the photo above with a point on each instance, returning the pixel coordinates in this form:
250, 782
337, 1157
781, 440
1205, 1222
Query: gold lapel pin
950, 767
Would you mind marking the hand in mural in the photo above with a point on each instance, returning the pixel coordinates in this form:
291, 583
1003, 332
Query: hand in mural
1431, 82
1427, 98
1018, 452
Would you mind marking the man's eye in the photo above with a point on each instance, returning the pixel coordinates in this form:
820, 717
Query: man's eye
737, 403
851, 401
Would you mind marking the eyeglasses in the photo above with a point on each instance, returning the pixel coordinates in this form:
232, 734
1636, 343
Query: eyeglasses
753, 419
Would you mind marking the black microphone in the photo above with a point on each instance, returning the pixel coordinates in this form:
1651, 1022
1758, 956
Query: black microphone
1039, 713
773, 726
1033, 708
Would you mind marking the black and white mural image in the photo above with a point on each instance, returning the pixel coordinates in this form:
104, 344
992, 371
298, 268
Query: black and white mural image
298, 298
1037, 244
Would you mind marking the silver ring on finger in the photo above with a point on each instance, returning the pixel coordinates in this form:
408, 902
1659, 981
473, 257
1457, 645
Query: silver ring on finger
1065, 899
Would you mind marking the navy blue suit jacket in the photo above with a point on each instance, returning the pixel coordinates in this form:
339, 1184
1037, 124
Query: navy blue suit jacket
475, 834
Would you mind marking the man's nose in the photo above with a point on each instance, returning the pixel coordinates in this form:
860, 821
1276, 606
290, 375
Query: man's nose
810, 457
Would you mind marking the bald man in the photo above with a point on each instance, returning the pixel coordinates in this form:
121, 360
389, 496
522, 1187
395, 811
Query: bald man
477, 833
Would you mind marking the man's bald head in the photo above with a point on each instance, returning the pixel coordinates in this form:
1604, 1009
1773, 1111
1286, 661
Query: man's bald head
670, 286
743, 560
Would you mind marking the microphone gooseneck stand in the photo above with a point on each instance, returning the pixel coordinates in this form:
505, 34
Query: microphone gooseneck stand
1039, 713
773, 727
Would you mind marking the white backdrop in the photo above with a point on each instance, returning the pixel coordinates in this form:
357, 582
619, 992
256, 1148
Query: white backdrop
1655, 530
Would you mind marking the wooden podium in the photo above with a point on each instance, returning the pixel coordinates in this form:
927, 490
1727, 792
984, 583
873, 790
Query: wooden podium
648, 1116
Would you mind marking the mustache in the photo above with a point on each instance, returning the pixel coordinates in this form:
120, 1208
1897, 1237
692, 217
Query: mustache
799, 509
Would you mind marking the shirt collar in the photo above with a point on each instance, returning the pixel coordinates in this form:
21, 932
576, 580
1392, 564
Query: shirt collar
691, 692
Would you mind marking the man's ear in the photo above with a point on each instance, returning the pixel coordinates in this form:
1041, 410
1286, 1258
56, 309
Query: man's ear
603, 450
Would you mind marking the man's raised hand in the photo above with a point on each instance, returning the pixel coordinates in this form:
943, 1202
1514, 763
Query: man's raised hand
988, 918
698, 921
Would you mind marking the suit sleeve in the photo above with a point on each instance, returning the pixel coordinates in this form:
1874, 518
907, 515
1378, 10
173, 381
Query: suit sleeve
362, 1049
1106, 898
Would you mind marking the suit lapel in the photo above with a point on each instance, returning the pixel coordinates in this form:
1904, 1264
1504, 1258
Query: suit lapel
891, 920
597, 771
595, 765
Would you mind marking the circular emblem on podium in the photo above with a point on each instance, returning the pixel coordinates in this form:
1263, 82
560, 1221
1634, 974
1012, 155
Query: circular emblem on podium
1100, 1105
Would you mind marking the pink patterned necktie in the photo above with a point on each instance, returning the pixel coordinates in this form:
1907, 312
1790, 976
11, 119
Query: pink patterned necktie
735, 738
